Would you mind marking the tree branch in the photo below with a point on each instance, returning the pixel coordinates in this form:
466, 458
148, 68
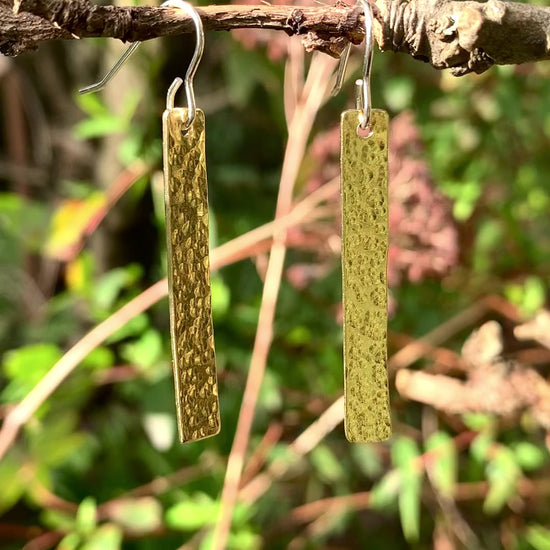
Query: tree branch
465, 36
324, 28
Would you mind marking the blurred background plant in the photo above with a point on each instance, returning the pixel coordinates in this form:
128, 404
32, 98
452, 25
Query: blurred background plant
88, 452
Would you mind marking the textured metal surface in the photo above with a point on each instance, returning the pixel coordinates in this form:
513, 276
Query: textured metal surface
186, 199
364, 258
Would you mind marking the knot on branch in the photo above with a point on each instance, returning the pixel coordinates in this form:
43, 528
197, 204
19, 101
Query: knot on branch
436, 31
65, 13
75, 16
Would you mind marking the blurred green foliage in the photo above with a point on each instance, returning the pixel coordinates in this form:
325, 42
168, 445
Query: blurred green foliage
110, 426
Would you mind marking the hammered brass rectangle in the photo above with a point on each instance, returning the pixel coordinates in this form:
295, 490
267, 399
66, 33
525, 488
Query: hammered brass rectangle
364, 165
186, 201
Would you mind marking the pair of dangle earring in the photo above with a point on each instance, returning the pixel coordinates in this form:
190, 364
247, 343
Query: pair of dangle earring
364, 187
187, 241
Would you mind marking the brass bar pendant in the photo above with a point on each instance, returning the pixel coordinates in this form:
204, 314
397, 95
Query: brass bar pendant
186, 201
364, 166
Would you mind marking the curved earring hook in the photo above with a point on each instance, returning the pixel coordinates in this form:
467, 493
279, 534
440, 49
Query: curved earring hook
362, 85
189, 75
363, 100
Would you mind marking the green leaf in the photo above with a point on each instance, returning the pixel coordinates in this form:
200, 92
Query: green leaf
465, 195
98, 126
86, 516
110, 285
25, 367
13, 486
529, 456
221, 297
79, 274
503, 474
70, 542
529, 296
57, 520
139, 516
244, 539
56, 441
384, 493
478, 421
193, 513
328, 467
298, 335
405, 455
144, 352
444, 462
480, 446
99, 358
538, 537
106, 537
134, 327
69, 223
91, 104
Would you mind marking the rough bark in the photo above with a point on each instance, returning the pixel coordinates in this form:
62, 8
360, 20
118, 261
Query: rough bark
465, 36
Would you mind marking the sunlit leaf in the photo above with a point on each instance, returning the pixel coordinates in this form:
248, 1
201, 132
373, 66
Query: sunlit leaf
69, 224
478, 421
443, 462
405, 455
384, 492
145, 351
192, 513
480, 446
70, 542
86, 516
538, 537
221, 297
138, 516
529, 456
106, 537
79, 274
529, 296
244, 539
58, 520
25, 367
503, 474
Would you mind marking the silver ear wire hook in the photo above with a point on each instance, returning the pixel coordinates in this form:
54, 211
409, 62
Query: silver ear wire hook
362, 85
363, 101
174, 87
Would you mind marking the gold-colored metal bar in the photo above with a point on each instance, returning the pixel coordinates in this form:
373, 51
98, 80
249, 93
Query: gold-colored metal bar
186, 200
364, 165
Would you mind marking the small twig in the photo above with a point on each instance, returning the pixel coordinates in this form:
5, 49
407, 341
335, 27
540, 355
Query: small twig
415, 350
301, 446
310, 101
271, 436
